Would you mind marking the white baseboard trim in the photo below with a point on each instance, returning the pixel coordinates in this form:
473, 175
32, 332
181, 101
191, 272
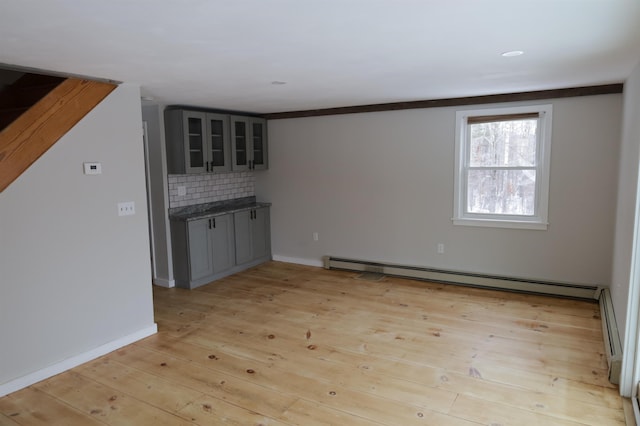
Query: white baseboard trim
74, 361
298, 260
163, 282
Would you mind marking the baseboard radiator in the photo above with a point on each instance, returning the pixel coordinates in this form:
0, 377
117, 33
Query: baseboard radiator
612, 344
585, 292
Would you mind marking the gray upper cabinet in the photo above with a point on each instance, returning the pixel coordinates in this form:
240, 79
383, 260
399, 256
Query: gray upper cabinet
197, 142
249, 143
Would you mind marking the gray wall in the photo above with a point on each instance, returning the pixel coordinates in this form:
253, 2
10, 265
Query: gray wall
159, 196
379, 186
74, 275
627, 198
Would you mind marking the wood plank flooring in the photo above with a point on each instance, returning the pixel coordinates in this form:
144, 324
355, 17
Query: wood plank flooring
284, 344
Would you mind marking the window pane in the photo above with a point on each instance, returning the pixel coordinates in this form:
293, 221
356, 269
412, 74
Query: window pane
509, 192
503, 143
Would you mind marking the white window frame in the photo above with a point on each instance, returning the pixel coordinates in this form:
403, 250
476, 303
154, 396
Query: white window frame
539, 220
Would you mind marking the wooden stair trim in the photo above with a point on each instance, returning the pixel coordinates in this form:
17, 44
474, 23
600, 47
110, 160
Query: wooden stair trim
40, 127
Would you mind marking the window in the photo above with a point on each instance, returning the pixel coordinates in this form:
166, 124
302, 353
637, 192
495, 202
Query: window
502, 167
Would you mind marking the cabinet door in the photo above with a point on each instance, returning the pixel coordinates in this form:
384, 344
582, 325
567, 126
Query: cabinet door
195, 141
200, 249
240, 143
243, 236
258, 158
218, 143
223, 245
260, 233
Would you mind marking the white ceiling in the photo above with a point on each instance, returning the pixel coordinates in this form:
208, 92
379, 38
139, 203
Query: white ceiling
331, 53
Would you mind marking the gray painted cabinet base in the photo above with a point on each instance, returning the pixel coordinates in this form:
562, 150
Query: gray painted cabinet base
207, 249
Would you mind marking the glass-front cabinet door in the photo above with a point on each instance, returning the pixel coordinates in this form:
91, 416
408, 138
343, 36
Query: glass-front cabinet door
258, 144
219, 155
249, 143
240, 143
194, 137
214, 142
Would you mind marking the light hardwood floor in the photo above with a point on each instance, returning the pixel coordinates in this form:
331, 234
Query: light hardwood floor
284, 344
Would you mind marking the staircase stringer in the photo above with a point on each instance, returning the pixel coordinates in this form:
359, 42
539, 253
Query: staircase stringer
41, 126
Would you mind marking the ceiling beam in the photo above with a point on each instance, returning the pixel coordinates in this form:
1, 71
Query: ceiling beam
471, 100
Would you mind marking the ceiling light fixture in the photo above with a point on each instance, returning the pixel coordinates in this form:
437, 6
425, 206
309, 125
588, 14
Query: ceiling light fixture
512, 53
278, 83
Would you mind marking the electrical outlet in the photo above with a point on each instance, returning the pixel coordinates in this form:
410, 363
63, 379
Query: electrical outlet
126, 208
182, 191
315, 236
440, 248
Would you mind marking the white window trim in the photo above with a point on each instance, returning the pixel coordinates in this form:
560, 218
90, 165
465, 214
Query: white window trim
540, 220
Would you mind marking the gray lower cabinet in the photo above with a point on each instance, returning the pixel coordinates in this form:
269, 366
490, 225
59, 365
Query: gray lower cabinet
252, 235
213, 247
202, 249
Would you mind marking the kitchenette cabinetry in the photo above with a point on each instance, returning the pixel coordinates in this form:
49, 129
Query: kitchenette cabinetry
208, 142
251, 234
248, 143
197, 142
209, 245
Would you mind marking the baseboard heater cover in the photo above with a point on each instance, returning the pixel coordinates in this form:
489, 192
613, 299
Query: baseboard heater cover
612, 343
575, 291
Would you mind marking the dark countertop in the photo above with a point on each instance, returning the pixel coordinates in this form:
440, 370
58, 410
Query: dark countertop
218, 208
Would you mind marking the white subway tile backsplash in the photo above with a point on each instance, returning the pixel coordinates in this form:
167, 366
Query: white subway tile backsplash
207, 187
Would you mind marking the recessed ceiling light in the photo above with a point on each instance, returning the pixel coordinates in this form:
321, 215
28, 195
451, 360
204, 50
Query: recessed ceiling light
512, 53
278, 83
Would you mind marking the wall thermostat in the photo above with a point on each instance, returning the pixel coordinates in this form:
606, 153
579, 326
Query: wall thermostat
92, 168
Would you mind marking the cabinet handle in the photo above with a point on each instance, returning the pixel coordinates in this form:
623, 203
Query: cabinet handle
206, 163
209, 223
214, 222
211, 167
250, 165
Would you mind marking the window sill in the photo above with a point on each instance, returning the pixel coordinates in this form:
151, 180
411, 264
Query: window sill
493, 223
